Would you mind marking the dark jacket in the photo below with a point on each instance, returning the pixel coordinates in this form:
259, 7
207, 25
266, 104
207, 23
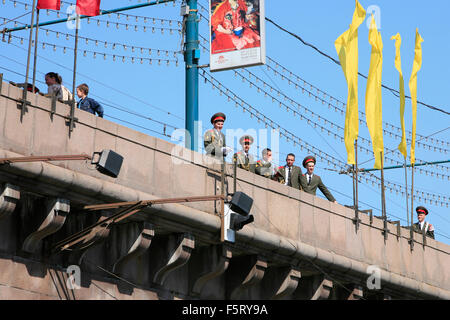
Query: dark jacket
416, 227
90, 105
294, 181
316, 182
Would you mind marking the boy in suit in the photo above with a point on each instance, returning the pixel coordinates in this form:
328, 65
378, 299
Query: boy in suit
422, 224
310, 181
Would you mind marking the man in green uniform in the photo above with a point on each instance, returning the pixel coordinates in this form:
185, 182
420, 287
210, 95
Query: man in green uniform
310, 181
422, 225
214, 139
289, 174
243, 158
264, 167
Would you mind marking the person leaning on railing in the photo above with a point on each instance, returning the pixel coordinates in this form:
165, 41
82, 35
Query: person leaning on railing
55, 87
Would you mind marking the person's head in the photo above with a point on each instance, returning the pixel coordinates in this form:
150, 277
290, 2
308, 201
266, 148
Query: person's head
53, 78
290, 159
421, 213
218, 120
30, 88
234, 4
82, 90
267, 154
218, 124
309, 163
246, 142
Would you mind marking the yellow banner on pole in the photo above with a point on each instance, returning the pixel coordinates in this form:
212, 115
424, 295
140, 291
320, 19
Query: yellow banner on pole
417, 64
398, 66
373, 95
347, 50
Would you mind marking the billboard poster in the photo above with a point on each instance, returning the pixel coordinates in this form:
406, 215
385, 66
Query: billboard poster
237, 34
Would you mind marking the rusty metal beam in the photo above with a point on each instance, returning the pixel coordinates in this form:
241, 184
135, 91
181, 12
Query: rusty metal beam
130, 209
45, 158
151, 202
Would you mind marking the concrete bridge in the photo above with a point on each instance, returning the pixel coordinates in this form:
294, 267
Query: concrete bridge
299, 247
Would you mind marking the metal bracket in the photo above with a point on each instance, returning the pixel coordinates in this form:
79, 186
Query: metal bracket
424, 235
25, 102
1, 82
411, 240
398, 227
53, 108
71, 118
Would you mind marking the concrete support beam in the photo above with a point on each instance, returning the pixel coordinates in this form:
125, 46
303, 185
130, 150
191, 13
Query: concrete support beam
347, 291
317, 287
97, 236
176, 257
58, 209
207, 264
280, 282
10, 196
245, 272
290, 277
136, 248
356, 292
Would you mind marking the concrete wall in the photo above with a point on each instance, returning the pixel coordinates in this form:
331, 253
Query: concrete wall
150, 167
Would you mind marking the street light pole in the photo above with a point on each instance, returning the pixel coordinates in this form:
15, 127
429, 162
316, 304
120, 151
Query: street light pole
191, 58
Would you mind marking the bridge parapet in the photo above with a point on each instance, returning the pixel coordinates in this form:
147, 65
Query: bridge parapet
292, 229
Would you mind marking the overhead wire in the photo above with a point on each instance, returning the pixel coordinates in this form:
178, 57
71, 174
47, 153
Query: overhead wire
396, 93
109, 104
301, 108
436, 148
296, 140
107, 86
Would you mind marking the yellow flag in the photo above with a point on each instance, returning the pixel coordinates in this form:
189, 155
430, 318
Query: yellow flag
398, 66
373, 95
347, 50
413, 88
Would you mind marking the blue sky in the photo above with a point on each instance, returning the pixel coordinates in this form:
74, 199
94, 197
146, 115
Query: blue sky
133, 92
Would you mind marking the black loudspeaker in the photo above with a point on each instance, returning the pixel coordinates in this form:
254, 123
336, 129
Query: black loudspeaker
241, 203
109, 163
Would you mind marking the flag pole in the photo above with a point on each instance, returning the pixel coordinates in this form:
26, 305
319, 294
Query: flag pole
412, 207
75, 52
35, 49
25, 90
383, 200
355, 187
406, 190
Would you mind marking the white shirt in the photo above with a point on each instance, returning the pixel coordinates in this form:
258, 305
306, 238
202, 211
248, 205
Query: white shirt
287, 171
309, 177
425, 225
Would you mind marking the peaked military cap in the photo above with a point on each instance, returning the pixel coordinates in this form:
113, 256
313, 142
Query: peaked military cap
219, 116
308, 159
245, 139
421, 209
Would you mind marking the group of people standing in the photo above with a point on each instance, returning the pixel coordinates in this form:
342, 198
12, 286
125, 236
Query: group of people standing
55, 87
289, 174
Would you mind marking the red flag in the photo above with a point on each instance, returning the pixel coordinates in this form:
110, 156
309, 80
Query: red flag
88, 7
49, 4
